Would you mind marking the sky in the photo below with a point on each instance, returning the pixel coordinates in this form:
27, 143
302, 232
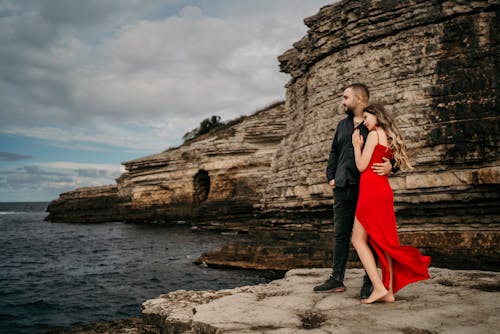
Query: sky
87, 85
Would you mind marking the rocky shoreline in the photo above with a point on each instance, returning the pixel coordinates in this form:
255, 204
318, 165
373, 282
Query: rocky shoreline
451, 301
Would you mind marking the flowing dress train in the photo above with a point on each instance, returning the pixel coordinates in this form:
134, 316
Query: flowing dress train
375, 211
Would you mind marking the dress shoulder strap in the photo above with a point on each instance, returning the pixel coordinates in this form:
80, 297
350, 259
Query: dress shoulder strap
378, 139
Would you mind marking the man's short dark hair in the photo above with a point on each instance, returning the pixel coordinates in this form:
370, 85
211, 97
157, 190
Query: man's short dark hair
360, 88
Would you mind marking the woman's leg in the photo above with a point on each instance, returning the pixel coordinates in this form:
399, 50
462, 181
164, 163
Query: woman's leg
390, 295
360, 242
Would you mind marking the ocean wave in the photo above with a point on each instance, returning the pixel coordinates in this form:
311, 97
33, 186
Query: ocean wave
55, 275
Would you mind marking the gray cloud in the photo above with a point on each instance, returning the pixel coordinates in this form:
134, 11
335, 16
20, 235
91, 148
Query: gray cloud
93, 173
34, 170
48, 182
31, 177
7, 156
111, 72
131, 75
80, 13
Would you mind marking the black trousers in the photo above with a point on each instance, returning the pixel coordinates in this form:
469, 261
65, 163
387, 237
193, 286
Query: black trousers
344, 209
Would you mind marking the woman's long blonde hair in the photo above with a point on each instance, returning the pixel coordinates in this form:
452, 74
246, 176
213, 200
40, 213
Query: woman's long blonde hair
394, 138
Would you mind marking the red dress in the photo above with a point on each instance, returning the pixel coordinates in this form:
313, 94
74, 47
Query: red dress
375, 211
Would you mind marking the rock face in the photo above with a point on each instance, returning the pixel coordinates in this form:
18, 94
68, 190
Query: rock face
434, 64
221, 174
218, 175
450, 302
88, 205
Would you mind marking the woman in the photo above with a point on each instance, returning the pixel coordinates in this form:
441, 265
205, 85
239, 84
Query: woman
375, 220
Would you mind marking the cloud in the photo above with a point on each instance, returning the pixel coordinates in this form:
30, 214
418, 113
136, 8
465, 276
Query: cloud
157, 137
150, 70
93, 173
130, 76
69, 165
188, 64
53, 178
31, 169
7, 156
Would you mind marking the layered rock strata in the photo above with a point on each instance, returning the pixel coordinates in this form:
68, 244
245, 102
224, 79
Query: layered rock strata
280, 244
435, 65
88, 205
450, 302
220, 175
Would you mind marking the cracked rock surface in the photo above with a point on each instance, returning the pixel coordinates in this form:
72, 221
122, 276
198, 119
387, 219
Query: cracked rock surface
450, 302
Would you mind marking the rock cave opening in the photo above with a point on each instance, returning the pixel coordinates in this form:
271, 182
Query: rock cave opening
201, 186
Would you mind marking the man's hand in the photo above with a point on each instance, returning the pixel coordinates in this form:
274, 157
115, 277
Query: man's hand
382, 168
332, 184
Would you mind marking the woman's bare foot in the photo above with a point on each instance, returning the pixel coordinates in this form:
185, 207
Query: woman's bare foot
388, 298
376, 295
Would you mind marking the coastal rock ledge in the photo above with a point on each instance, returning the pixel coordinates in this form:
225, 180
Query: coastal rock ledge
451, 301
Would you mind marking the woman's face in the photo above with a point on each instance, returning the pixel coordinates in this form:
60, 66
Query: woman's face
370, 121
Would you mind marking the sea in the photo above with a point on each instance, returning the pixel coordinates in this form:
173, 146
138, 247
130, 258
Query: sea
58, 275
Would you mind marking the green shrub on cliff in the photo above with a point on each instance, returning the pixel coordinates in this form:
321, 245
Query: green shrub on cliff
207, 125
214, 123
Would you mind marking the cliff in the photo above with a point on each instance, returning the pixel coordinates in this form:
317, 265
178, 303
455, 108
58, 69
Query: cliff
88, 205
434, 64
221, 174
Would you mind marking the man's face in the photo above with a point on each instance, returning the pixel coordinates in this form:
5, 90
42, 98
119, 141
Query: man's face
349, 101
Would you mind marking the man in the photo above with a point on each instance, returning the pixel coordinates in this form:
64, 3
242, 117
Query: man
343, 178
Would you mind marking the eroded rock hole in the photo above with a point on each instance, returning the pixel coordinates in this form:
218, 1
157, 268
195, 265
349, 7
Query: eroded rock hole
201, 186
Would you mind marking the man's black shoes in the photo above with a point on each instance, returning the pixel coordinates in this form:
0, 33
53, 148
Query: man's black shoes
331, 285
366, 289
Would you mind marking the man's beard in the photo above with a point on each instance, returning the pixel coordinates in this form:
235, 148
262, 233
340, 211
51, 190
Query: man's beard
349, 111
